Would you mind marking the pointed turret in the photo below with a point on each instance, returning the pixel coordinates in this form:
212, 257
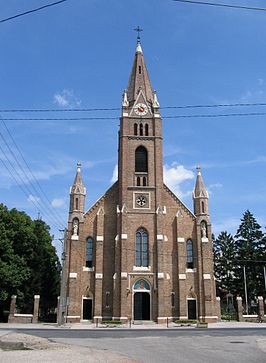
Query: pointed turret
77, 193
200, 196
139, 78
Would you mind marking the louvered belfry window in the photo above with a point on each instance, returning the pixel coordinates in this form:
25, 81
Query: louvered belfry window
141, 160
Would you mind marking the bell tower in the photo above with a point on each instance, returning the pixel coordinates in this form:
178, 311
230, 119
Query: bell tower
140, 172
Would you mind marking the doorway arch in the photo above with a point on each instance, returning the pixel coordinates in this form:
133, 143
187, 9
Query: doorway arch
141, 300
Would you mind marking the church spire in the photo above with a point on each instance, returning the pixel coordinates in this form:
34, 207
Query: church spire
139, 78
77, 192
200, 195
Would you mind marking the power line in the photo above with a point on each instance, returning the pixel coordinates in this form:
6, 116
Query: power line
87, 109
20, 182
31, 11
116, 118
220, 5
56, 215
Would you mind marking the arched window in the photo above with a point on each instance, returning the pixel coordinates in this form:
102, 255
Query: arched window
146, 130
141, 130
142, 248
141, 159
144, 181
189, 254
89, 252
135, 129
77, 204
138, 181
202, 207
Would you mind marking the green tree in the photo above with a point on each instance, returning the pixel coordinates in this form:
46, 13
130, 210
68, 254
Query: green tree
28, 261
224, 262
250, 243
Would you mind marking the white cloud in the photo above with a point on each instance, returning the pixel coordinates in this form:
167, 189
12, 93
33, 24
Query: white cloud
58, 202
229, 224
174, 176
33, 199
66, 98
115, 174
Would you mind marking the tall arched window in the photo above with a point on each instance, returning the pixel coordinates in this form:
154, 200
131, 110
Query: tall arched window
135, 129
141, 130
146, 130
202, 207
138, 181
142, 248
189, 254
89, 252
141, 159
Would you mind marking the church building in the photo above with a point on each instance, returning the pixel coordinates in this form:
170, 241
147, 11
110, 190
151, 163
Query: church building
139, 253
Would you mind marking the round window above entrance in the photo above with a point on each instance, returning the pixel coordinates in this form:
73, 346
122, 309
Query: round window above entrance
141, 285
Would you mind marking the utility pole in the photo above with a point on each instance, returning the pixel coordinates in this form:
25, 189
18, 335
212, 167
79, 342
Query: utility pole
246, 290
63, 286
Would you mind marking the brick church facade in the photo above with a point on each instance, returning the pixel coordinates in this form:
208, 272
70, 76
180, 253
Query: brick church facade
139, 253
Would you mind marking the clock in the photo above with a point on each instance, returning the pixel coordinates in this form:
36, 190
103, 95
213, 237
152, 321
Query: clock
141, 109
141, 201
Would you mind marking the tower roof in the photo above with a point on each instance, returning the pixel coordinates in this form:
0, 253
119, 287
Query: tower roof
200, 190
139, 78
78, 186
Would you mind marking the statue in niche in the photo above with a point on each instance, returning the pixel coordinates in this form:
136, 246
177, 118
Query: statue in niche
75, 227
203, 230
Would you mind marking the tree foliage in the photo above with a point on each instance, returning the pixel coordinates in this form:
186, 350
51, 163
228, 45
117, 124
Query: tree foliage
231, 254
28, 261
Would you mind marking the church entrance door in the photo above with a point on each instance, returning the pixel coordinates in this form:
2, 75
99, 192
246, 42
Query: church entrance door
141, 300
87, 309
141, 306
192, 309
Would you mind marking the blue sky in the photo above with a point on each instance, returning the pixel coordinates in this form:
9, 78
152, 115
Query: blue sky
80, 53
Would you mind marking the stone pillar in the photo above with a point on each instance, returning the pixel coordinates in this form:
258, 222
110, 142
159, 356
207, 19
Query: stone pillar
36, 309
58, 309
239, 308
218, 308
12, 309
261, 307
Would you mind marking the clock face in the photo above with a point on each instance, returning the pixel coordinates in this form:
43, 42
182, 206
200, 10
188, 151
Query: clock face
141, 109
141, 201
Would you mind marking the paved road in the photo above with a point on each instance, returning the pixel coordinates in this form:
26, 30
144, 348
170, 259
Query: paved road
169, 346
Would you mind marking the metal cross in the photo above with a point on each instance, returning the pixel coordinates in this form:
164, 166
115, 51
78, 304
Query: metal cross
138, 29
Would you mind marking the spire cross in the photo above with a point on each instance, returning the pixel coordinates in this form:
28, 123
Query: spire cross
198, 169
138, 30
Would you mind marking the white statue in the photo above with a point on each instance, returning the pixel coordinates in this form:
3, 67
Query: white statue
203, 230
75, 227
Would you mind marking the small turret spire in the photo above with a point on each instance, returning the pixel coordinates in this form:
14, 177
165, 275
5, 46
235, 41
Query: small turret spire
200, 196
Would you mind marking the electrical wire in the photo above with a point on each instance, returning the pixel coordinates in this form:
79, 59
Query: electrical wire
22, 185
87, 109
220, 5
48, 204
116, 118
31, 11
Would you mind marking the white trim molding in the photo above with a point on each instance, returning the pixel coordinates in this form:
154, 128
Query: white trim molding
73, 316
191, 270
182, 276
99, 238
73, 275
74, 237
123, 275
160, 275
141, 268
99, 276
84, 268
159, 237
204, 239
180, 239
206, 276
123, 236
